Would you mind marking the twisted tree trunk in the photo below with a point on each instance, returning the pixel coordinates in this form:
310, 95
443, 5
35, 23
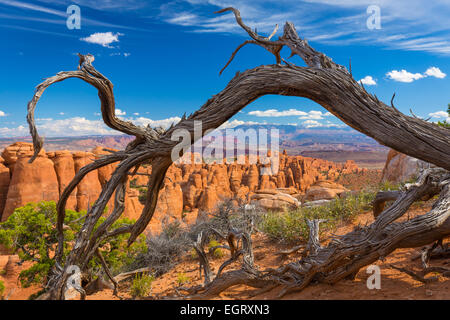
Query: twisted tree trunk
322, 81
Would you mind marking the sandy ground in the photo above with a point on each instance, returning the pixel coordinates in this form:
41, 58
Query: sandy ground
394, 284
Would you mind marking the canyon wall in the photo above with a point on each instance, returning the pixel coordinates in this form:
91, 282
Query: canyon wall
189, 188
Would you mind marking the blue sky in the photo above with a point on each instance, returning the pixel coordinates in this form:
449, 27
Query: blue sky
164, 58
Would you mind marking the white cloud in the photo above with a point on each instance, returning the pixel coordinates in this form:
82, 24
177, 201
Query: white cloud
236, 123
277, 113
13, 132
165, 123
404, 76
80, 126
317, 124
136, 113
315, 115
61, 113
435, 72
2, 114
438, 114
311, 124
120, 112
368, 81
103, 38
310, 115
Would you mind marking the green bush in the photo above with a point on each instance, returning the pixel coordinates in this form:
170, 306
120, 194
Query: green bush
2, 289
142, 285
31, 233
182, 278
218, 252
444, 123
291, 226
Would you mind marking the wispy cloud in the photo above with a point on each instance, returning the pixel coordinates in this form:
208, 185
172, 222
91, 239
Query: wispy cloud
62, 13
315, 115
235, 123
317, 124
338, 22
105, 4
277, 113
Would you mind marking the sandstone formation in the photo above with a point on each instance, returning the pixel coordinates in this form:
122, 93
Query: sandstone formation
324, 190
275, 200
400, 168
65, 171
189, 190
31, 182
89, 188
4, 185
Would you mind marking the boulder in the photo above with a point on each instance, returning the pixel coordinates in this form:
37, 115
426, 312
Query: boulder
10, 154
324, 190
274, 200
400, 168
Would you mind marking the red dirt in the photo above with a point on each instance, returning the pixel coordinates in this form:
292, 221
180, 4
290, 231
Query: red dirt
394, 284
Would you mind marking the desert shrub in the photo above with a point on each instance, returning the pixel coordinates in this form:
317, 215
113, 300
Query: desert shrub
182, 278
142, 195
133, 184
30, 232
445, 123
229, 216
291, 226
142, 285
163, 249
218, 252
2, 289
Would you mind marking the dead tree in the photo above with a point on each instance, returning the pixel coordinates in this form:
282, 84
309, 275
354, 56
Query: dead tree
321, 80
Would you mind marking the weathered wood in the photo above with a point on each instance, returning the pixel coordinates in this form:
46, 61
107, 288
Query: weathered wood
381, 198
